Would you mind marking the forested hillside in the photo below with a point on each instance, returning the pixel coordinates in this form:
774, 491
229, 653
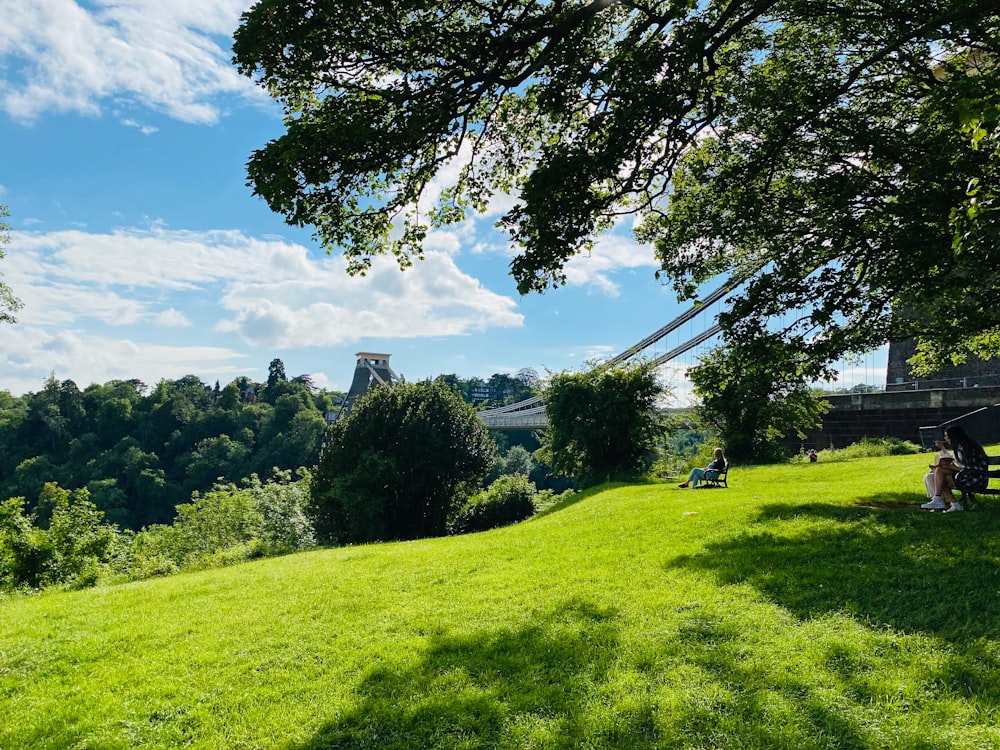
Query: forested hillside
141, 450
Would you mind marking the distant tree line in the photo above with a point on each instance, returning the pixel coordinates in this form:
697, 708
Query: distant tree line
140, 451
500, 389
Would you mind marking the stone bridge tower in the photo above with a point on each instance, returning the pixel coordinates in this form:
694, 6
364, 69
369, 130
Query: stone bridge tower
372, 369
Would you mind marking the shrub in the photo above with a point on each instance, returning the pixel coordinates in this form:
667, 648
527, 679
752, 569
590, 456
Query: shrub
281, 503
510, 499
74, 550
152, 550
399, 466
517, 460
603, 423
547, 500
867, 448
227, 525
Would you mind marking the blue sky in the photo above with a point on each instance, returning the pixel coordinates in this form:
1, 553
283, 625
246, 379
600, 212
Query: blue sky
138, 250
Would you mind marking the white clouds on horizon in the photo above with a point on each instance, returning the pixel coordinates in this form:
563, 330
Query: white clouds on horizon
64, 56
132, 276
31, 353
268, 292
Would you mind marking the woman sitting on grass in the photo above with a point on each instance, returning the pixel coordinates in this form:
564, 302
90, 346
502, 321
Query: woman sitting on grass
718, 464
969, 471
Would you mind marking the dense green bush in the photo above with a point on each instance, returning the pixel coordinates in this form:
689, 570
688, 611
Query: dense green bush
603, 422
515, 460
228, 524
70, 545
281, 504
399, 466
510, 499
866, 448
72, 549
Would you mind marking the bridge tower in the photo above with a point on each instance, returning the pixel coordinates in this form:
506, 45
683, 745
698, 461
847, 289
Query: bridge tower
371, 369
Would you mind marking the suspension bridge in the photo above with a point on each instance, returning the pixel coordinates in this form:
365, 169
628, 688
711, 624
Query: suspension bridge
530, 413
865, 374
372, 368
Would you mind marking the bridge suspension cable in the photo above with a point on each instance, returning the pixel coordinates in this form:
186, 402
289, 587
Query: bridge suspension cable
674, 324
687, 345
530, 413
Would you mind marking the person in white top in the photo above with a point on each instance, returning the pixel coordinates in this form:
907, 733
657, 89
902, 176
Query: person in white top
942, 455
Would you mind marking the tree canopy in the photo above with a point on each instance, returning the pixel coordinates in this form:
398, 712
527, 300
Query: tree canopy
139, 451
835, 159
754, 395
399, 466
603, 422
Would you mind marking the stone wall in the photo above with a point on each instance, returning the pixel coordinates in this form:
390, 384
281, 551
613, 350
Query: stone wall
899, 414
974, 370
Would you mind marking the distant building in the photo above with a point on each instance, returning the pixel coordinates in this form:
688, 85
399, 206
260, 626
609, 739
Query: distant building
974, 373
481, 393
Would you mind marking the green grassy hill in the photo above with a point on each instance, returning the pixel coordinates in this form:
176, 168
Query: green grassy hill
779, 613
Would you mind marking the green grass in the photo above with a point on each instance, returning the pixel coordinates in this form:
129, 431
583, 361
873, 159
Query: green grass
775, 614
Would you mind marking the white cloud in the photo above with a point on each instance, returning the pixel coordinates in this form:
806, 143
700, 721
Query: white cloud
172, 318
31, 353
144, 129
173, 57
327, 307
612, 254
77, 288
598, 353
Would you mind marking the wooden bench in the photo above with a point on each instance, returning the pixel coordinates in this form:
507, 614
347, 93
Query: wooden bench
969, 496
719, 478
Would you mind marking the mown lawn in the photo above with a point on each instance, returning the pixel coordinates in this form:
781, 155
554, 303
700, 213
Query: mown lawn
779, 613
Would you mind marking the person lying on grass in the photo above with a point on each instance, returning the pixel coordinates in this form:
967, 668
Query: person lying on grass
697, 475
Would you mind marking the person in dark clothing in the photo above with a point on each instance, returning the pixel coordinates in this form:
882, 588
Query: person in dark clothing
718, 464
969, 471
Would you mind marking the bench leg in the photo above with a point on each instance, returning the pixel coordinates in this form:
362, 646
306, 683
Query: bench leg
968, 499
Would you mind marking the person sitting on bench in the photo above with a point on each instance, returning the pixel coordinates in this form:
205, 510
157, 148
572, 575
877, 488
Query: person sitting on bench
718, 464
969, 471
943, 455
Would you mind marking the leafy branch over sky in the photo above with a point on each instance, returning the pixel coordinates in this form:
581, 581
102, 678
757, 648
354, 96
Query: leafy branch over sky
823, 154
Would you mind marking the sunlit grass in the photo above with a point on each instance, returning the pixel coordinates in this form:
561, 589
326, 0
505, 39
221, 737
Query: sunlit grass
782, 612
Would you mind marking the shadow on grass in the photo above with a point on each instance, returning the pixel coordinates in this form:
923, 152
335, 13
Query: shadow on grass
474, 691
931, 573
574, 498
565, 681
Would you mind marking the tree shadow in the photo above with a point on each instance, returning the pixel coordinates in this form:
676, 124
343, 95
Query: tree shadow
930, 573
570, 676
572, 499
566, 681
470, 690
553, 684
